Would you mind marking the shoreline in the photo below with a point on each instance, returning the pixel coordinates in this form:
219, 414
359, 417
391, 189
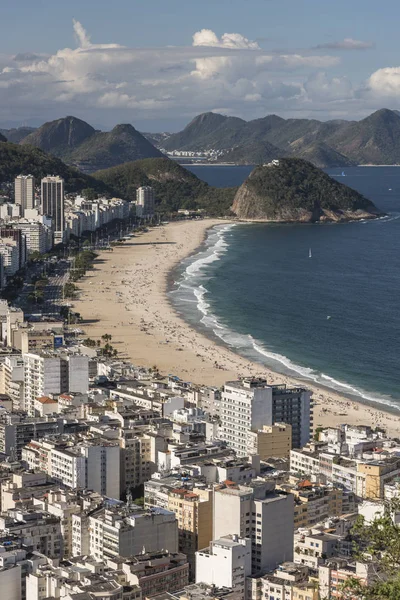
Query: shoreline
136, 276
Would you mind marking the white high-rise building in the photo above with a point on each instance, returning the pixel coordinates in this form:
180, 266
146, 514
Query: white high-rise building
249, 404
145, 201
37, 236
79, 464
25, 191
260, 513
226, 563
52, 203
42, 376
49, 373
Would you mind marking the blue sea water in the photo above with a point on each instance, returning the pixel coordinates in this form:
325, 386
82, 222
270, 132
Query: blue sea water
332, 318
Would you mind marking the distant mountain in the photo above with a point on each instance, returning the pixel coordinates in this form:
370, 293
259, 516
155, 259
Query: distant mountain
321, 155
208, 131
79, 144
252, 153
16, 159
295, 190
60, 137
103, 150
335, 143
175, 187
2, 138
16, 135
374, 140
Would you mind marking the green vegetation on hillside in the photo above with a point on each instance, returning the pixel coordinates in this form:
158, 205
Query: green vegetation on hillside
297, 183
16, 159
78, 143
296, 190
175, 187
377, 546
253, 153
106, 149
321, 155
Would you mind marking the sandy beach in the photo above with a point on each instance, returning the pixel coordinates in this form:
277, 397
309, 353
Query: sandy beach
126, 296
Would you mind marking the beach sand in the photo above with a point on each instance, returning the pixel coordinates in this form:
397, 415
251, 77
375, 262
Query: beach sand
126, 296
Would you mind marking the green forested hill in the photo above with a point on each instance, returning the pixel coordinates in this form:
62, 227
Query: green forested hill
16, 159
296, 190
175, 187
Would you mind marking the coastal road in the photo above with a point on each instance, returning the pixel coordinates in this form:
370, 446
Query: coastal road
53, 292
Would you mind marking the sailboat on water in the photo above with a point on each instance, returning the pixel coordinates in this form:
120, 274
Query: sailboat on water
309, 253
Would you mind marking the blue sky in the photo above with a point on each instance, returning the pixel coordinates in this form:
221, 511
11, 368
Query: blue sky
137, 61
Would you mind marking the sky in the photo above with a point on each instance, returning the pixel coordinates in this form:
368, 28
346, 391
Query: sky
159, 63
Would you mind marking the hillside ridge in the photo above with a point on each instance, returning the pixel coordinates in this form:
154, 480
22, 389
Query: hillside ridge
294, 190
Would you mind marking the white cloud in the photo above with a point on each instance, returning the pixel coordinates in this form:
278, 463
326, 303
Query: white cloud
81, 35
110, 83
322, 88
206, 37
385, 82
346, 44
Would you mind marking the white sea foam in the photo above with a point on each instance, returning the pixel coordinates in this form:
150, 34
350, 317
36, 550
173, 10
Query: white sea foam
192, 284
381, 220
212, 253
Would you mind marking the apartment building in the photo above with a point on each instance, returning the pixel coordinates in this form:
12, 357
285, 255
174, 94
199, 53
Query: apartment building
47, 373
139, 451
315, 546
163, 401
17, 430
42, 376
9, 251
11, 581
336, 572
270, 441
365, 478
83, 462
81, 577
180, 455
145, 201
155, 572
24, 190
249, 404
239, 470
288, 582
259, 512
23, 488
52, 204
10, 235
38, 236
12, 379
225, 563
314, 502
36, 531
117, 532
62, 504
194, 513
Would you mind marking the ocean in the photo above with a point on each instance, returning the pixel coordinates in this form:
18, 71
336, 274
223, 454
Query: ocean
332, 318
